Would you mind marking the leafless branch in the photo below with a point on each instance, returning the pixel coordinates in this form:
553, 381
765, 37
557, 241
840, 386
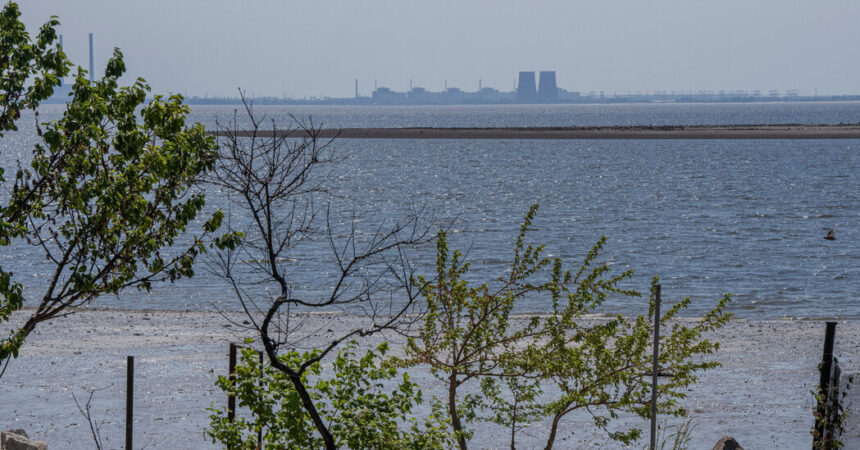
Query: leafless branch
277, 182
86, 411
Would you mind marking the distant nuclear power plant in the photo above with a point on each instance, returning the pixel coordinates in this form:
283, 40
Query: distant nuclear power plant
527, 89
545, 92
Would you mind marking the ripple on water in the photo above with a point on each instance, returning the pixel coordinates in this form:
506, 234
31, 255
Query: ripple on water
710, 217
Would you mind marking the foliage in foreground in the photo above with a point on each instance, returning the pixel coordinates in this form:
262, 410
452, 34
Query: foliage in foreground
109, 186
830, 415
275, 181
365, 401
470, 341
496, 367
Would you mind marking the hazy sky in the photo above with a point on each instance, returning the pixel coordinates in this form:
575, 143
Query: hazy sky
308, 48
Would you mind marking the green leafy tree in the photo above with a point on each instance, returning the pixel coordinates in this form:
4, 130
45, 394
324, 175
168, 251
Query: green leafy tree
602, 367
605, 368
516, 410
467, 333
109, 187
29, 70
366, 403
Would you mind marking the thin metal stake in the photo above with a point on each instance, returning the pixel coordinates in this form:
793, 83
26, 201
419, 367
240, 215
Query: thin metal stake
129, 401
654, 369
231, 401
824, 380
260, 433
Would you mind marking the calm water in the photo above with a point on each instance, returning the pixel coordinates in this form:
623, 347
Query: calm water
709, 217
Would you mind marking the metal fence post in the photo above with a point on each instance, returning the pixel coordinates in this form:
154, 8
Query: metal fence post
129, 401
231, 401
654, 369
260, 433
821, 425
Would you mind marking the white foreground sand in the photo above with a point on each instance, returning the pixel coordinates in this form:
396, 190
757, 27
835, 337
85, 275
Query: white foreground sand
761, 395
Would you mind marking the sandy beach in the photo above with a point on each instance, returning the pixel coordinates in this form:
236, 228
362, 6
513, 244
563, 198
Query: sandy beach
846, 131
761, 395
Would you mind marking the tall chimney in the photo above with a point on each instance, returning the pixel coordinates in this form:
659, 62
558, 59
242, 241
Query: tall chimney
92, 66
61, 47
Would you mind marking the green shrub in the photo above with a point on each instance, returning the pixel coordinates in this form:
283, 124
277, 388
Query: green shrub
367, 402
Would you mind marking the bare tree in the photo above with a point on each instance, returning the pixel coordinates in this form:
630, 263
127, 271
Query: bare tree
86, 411
274, 181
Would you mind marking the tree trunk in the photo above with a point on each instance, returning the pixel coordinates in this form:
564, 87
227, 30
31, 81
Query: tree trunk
20, 335
551, 440
452, 411
308, 403
514, 425
296, 379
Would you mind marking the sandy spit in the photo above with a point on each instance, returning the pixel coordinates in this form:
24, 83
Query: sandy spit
761, 395
799, 131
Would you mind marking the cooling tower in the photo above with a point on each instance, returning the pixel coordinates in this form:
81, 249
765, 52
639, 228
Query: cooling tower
547, 90
526, 91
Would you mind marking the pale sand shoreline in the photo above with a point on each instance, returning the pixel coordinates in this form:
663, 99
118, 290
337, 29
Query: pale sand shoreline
761, 395
793, 131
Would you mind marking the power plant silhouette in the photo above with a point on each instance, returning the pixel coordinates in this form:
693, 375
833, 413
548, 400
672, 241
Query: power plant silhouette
526, 90
545, 92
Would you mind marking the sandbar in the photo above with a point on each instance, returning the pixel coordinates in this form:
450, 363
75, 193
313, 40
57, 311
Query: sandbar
793, 131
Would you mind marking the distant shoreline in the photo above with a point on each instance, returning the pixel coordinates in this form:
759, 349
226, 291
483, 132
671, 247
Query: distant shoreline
794, 131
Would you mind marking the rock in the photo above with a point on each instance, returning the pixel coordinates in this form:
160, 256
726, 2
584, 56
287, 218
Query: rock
18, 431
18, 440
728, 443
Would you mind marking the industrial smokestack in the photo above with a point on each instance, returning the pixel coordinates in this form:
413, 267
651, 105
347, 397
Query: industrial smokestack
61, 47
92, 66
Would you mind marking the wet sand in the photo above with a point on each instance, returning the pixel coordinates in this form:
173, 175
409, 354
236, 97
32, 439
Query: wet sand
761, 395
850, 131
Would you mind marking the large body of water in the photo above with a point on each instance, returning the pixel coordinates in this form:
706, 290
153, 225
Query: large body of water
709, 216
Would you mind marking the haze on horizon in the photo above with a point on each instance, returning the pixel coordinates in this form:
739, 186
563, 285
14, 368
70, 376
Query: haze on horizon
303, 48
